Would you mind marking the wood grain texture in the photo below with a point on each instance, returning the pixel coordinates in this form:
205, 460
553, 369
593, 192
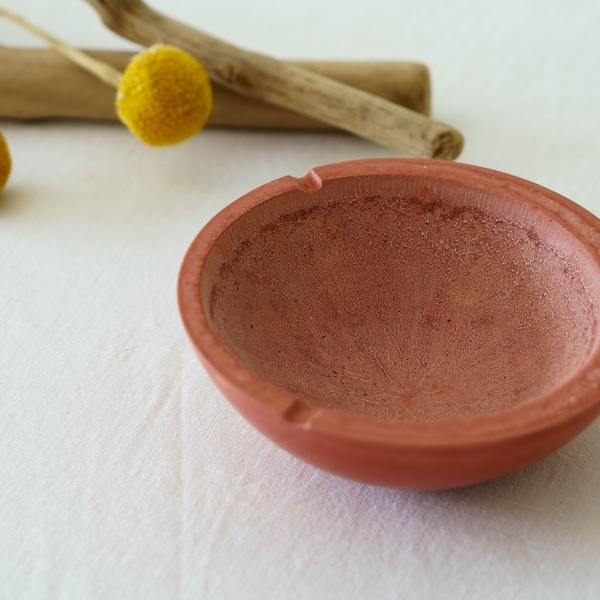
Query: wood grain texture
287, 85
39, 83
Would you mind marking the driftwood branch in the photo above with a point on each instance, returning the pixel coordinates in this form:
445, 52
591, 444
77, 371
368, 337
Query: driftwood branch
39, 83
287, 85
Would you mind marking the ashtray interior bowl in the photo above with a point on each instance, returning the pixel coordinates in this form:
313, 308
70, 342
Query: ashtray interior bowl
408, 323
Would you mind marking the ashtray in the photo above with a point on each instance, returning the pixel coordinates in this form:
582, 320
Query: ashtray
402, 322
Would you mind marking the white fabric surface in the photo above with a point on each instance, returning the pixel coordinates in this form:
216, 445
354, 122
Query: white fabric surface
123, 471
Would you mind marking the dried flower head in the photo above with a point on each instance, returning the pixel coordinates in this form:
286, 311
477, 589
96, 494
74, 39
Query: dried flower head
164, 96
5, 162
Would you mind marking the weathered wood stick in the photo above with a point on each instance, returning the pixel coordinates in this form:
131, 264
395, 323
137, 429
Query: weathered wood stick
37, 83
287, 85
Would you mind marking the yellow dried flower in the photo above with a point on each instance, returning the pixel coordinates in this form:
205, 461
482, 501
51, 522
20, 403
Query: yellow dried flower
5, 162
164, 96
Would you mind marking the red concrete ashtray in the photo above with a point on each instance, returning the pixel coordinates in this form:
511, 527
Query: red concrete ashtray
406, 323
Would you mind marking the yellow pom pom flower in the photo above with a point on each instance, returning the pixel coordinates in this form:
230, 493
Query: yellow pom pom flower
5, 162
164, 96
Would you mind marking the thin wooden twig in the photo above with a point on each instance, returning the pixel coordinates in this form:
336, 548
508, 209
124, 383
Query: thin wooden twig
102, 70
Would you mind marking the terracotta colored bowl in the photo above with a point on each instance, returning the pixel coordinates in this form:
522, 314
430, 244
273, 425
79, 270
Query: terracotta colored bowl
406, 323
